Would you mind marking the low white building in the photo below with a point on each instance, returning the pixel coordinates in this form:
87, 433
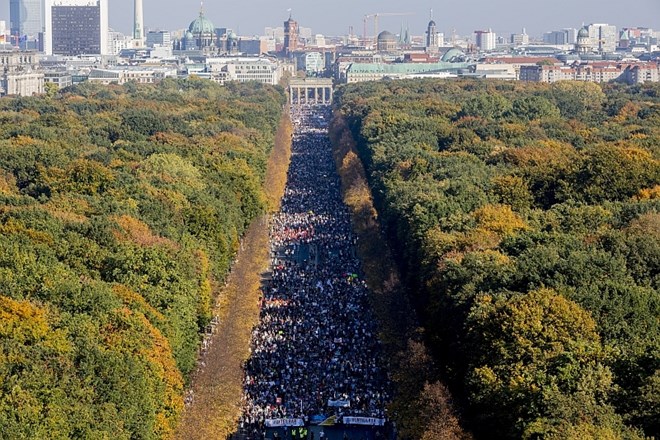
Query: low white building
494, 71
359, 72
123, 75
22, 84
631, 73
261, 70
61, 79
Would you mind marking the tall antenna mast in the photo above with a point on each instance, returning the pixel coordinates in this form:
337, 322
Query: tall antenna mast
138, 24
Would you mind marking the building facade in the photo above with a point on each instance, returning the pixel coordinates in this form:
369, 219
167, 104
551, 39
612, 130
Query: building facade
593, 72
291, 36
61, 79
241, 69
314, 63
432, 41
26, 23
124, 75
159, 38
485, 40
604, 36
359, 72
20, 74
250, 46
562, 37
76, 27
521, 39
118, 42
643, 73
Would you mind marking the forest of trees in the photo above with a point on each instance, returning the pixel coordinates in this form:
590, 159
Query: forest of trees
121, 208
525, 221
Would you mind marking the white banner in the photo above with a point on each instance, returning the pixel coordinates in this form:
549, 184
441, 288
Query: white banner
371, 421
276, 423
339, 403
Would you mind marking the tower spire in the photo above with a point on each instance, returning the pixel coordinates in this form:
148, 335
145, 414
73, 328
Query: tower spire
138, 24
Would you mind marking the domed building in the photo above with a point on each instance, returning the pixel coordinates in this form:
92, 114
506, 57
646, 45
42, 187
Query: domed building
203, 33
232, 43
453, 55
583, 44
187, 42
386, 42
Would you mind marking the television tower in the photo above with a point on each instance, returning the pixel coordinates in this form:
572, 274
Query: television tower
138, 25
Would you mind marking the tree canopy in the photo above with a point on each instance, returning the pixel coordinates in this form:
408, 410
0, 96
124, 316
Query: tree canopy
525, 219
120, 208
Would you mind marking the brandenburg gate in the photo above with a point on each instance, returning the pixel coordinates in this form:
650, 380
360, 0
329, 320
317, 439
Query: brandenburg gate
310, 91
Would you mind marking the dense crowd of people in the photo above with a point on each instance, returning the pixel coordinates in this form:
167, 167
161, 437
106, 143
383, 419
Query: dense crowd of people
315, 350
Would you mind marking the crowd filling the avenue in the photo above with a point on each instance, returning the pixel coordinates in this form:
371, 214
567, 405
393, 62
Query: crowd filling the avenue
315, 355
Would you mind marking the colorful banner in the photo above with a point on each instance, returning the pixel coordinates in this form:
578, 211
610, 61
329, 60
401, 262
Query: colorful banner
339, 403
330, 421
371, 421
317, 418
276, 423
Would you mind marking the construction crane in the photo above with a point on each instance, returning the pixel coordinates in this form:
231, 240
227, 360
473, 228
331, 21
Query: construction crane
375, 16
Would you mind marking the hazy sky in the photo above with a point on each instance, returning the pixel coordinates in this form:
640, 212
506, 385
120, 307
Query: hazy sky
334, 17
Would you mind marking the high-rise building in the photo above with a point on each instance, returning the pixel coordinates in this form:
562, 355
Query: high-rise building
290, 36
117, 42
76, 27
554, 37
138, 24
485, 40
159, 38
571, 35
604, 36
26, 22
562, 37
276, 33
520, 39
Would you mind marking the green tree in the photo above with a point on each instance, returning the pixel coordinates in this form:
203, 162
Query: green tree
527, 348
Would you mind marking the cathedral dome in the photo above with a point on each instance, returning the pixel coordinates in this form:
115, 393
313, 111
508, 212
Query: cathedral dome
386, 36
386, 42
201, 25
432, 23
583, 33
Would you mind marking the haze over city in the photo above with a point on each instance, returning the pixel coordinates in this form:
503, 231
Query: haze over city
334, 18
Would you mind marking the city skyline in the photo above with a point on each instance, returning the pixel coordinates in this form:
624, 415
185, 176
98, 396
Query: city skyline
332, 18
